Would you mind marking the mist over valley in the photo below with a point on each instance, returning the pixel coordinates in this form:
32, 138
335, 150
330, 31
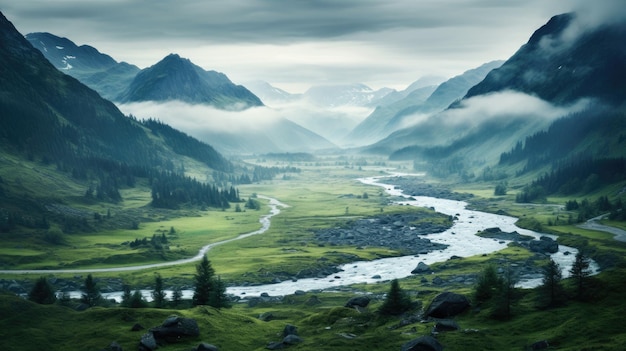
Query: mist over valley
336, 176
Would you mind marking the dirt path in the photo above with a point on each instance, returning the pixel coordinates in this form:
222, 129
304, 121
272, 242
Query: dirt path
265, 225
593, 224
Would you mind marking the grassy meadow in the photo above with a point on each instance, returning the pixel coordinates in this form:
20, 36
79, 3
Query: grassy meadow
320, 196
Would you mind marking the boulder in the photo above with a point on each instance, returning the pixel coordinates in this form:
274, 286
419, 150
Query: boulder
445, 325
313, 300
447, 304
266, 316
358, 301
147, 342
292, 339
174, 328
206, 347
137, 327
290, 330
423, 343
421, 268
544, 245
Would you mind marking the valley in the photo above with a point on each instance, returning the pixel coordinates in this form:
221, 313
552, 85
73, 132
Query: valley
170, 208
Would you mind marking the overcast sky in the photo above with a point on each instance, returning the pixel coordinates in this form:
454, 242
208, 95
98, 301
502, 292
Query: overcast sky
295, 44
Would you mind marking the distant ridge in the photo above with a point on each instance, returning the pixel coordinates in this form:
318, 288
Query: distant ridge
85, 63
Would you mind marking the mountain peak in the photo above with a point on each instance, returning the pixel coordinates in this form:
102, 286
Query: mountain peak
177, 78
565, 60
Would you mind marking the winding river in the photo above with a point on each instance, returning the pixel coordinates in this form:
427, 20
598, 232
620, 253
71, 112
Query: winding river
460, 238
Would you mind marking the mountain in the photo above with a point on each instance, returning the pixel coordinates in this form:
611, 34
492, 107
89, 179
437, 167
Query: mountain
559, 98
416, 105
176, 78
344, 95
562, 62
85, 63
424, 84
270, 94
67, 143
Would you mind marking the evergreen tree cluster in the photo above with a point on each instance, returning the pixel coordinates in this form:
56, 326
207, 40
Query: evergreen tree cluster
208, 289
563, 136
183, 144
158, 242
170, 190
588, 209
581, 175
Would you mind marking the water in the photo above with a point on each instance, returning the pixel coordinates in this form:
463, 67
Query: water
460, 238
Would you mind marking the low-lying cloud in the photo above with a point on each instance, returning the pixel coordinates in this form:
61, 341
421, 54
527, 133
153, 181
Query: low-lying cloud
506, 105
198, 120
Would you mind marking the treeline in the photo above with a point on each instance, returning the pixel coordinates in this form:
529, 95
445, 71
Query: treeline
558, 141
183, 144
589, 209
170, 190
580, 175
256, 174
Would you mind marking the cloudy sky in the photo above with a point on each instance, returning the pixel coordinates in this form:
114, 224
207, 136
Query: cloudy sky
295, 44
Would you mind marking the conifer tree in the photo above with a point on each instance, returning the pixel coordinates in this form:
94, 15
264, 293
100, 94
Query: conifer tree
218, 297
203, 282
91, 295
486, 285
158, 295
397, 302
580, 272
551, 291
504, 295
126, 295
177, 296
42, 292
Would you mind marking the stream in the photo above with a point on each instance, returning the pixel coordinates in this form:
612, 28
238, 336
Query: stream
460, 238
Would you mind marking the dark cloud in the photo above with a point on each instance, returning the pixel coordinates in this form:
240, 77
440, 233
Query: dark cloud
405, 38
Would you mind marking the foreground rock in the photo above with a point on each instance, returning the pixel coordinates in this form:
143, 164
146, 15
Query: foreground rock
423, 343
447, 304
173, 329
290, 337
358, 301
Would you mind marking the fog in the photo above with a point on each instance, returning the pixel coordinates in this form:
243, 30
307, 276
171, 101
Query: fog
589, 15
201, 120
506, 105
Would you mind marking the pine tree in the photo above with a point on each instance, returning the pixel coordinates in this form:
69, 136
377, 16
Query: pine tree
42, 292
504, 295
580, 271
126, 295
137, 300
486, 285
91, 295
158, 295
203, 282
397, 302
218, 297
551, 291
177, 296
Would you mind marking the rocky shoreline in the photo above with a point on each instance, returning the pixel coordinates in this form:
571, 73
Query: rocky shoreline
415, 187
392, 231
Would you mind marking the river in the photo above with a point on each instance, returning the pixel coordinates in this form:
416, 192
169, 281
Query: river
460, 238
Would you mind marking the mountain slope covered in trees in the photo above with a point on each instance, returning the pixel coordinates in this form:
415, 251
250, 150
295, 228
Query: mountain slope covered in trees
551, 102
50, 118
